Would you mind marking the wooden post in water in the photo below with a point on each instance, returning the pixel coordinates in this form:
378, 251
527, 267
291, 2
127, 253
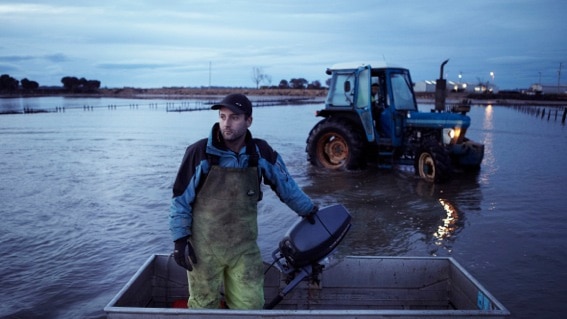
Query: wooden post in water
564, 115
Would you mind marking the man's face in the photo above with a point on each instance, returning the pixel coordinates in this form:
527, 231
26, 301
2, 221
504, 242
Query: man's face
233, 126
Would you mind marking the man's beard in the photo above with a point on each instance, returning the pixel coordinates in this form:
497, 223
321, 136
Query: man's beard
232, 135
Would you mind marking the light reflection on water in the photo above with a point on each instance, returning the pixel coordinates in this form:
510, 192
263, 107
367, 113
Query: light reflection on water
85, 196
449, 225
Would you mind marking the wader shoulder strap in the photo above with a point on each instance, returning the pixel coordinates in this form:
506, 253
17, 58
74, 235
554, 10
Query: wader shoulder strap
253, 159
253, 156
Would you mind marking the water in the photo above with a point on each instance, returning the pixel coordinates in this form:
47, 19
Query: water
85, 194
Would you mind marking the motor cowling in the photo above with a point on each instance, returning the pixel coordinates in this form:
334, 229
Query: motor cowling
307, 243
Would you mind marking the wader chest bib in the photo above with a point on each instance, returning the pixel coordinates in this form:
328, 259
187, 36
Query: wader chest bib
224, 234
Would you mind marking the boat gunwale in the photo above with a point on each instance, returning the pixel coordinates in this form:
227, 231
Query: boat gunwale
499, 310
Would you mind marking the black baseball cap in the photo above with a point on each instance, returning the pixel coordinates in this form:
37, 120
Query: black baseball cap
236, 102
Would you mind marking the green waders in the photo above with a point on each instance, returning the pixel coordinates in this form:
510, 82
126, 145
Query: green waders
224, 233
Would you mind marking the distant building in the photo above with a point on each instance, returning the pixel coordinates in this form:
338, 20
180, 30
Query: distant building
429, 86
424, 86
485, 88
548, 89
461, 87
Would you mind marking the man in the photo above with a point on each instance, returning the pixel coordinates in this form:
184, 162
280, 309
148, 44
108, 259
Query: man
375, 88
213, 214
377, 106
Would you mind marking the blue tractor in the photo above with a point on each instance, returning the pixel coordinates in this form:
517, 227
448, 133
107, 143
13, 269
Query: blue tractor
371, 116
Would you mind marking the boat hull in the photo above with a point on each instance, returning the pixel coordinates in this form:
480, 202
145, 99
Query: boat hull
361, 287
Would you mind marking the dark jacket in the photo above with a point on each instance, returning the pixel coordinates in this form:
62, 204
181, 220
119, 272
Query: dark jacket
196, 164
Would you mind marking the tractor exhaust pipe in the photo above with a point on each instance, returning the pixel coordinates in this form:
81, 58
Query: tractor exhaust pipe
441, 89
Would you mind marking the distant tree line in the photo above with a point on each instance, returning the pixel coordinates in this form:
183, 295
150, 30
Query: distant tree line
10, 85
258, 76
71, 84
299, 83
82, 85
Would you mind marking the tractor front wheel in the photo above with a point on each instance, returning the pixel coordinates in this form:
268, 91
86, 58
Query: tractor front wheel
433, 163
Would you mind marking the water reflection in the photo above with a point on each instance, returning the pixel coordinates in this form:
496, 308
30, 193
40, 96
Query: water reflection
449, 225
488, 163
396, 213
10, 106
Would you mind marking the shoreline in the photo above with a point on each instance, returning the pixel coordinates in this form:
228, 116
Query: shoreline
179, 93
318, 95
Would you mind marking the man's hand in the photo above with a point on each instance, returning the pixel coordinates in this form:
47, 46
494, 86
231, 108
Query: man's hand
311, 215
184, 254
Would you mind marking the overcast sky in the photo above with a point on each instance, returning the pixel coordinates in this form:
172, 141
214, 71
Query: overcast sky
196, 43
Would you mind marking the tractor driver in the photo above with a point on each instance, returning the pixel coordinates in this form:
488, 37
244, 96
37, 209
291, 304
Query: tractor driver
375, 90
377, 104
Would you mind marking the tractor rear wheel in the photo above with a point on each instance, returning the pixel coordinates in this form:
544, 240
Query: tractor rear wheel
335, 144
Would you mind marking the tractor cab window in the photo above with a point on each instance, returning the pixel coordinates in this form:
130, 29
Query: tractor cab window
402, 92
341, 92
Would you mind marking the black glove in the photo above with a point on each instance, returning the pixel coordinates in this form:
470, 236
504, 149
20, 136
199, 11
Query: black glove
184, 254
311, 215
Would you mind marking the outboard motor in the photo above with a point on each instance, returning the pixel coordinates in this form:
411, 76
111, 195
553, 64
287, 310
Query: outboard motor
305, 245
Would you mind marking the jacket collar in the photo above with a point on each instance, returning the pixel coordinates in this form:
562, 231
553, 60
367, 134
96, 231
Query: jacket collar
215, 144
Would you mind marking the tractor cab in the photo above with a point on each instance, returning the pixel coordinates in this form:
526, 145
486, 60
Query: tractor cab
382, 96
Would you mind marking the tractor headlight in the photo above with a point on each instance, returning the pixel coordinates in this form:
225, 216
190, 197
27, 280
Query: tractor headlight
451, 135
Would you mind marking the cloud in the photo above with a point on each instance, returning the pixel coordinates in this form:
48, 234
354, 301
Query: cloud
7, 68
56, 58
16, 58
133, 66
119, 42
511, 60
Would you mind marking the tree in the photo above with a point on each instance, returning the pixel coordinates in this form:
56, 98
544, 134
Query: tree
70, 83
258, 76
93, 85
29, 85
283, 84
300, 83
314, 85
73, 84
268, 80
8, 83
